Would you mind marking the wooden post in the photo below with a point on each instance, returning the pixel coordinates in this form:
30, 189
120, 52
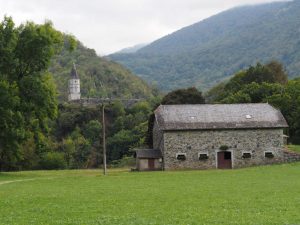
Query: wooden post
103, 140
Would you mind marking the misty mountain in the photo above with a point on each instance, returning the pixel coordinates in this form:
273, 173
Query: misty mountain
210, 51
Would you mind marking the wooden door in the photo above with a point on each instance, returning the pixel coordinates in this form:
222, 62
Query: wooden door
224, 160
151, 164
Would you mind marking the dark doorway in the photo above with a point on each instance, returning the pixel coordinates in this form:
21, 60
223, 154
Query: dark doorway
151, 164
224, 160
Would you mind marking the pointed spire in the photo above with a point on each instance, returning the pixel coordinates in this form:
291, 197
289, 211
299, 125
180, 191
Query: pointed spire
74, 74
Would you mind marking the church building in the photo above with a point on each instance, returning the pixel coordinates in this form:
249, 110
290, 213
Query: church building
74, 85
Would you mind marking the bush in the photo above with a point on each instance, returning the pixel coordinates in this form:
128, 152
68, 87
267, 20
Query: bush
52, 161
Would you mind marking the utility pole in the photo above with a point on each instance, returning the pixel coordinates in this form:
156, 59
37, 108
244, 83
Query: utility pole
103, 139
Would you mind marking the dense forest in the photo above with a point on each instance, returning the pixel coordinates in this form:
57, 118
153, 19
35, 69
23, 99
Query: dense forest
210, 51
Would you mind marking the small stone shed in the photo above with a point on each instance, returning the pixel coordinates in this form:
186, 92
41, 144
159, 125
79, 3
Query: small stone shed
220, 136
148, 160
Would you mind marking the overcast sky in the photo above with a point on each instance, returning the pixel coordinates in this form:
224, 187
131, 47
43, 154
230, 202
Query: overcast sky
110, 25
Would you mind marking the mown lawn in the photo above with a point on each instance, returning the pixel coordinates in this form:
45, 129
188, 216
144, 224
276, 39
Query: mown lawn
261, 195
295, 148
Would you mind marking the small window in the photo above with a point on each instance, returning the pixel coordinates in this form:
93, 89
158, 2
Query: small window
269, 155
246, 155
203, 156
181, 156
227, 155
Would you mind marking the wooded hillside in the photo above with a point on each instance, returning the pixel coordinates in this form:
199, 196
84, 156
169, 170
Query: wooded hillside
99, 77
208, 52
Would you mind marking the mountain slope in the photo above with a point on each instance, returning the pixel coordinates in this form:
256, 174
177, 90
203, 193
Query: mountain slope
131, 49
99, 77
208, 52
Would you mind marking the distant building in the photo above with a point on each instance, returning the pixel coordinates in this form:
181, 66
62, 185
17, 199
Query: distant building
217, 136
74, 85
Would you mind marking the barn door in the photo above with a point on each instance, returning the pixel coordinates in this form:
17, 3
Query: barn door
151, 164
224, 160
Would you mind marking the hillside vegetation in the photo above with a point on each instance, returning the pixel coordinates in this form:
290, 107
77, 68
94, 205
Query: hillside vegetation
38, 133
263, 195
99, 77
210, 51
263, 83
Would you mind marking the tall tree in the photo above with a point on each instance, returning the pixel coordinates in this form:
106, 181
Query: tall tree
28, 100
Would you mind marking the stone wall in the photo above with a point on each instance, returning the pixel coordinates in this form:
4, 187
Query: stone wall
290, 156
158, 138
255, 141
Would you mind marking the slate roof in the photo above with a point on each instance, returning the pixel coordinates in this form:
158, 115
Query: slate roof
148, 154
218, 116
74, 74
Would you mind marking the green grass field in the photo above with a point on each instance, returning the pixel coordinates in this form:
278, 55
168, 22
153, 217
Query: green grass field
261, 195
295, 148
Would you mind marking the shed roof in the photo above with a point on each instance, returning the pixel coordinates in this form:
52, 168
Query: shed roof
148, 154
218, 116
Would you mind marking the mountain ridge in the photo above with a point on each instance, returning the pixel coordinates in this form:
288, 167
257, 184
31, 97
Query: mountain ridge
131, 49
211, 50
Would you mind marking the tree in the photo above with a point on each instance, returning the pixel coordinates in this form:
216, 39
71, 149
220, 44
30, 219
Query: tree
69, 150
119, 144
92, 130
270, 73
183, 96
253, 93
279, 74
82, 149
264, 83
12, 130
28, 98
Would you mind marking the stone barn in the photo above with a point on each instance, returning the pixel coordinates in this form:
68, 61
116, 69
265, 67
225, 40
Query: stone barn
218, 136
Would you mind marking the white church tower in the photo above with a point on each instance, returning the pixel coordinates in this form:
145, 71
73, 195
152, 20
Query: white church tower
74, 85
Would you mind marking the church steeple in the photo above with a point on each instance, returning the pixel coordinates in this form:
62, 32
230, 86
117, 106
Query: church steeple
74, 74
74, 85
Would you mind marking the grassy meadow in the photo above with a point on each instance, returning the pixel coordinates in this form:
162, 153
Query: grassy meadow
295, 148
261, 195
